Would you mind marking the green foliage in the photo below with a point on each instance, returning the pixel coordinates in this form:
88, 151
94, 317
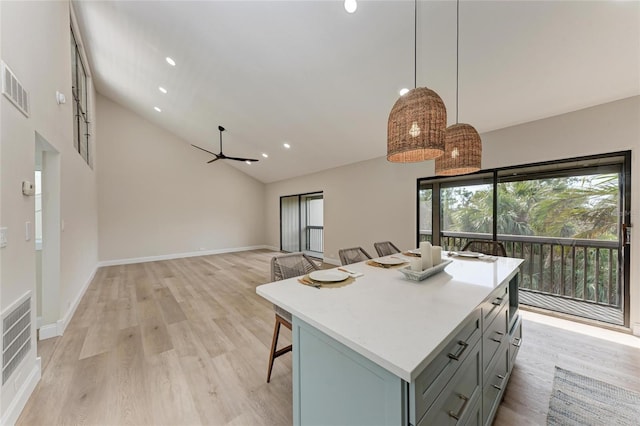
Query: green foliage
585, 207
580, 207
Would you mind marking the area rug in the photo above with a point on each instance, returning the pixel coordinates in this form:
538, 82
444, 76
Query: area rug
579, 400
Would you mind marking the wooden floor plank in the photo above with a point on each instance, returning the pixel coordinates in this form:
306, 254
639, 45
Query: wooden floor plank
131, 401
102, 335
88, 392
186, 341
155, 337
171, 311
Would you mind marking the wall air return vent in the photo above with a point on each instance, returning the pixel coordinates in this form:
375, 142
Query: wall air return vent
16, 337
14, 91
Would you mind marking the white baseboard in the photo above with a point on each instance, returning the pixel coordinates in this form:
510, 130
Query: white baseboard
179, 255
57, 329
10, 416
635, 329
62, 323
48, 331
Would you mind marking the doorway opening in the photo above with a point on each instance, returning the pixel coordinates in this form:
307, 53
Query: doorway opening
47, 236
302, 223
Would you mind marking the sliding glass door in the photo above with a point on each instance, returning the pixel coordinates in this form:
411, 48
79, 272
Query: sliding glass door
302, 223
568, 220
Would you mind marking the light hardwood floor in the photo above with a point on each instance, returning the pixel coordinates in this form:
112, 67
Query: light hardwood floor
186, 341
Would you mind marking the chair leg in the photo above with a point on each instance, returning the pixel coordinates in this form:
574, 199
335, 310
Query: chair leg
273, 354
274, 343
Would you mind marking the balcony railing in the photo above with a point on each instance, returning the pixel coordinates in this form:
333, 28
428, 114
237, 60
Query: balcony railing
314, 238
576, 269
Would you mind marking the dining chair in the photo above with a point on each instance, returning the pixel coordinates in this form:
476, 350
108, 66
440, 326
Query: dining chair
385, 248
285, 266
494, 248
353, 255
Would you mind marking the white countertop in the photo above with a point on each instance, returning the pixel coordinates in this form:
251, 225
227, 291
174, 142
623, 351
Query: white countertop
396, 323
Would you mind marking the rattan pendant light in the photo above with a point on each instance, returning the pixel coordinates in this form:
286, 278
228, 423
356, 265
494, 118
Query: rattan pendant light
463, 147
417, 121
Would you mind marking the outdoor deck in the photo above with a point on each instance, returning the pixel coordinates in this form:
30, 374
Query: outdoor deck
577, 308
572, 276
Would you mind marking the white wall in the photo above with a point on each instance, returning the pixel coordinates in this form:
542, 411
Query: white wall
364, 202
158, 197
376, 200
35, 43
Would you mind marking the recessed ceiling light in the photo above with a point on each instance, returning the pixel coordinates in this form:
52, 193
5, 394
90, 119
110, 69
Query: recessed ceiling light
162, 89
404, 91
265, 155
157, 109
171, 61
247, 161
286, 145
350, 5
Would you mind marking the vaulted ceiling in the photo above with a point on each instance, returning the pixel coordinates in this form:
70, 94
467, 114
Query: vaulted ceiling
323, 80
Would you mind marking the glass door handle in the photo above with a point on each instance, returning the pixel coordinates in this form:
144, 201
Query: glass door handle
626, 234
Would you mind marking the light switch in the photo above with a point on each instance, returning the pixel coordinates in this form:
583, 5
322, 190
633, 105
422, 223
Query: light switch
3, 237
27, 231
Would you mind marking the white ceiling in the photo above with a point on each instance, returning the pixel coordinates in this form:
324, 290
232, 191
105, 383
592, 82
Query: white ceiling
308, 73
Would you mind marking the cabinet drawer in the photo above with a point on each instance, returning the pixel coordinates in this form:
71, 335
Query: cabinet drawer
515, 339
455, 404
495, 383
437, 374
493, 304
494, 336
475, 414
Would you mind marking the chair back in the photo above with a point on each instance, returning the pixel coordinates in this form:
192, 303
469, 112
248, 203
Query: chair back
291, 265
353, 255
494, 248
385, 248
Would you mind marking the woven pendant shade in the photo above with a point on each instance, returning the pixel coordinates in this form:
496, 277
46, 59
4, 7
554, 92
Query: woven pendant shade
463, 151
416, 127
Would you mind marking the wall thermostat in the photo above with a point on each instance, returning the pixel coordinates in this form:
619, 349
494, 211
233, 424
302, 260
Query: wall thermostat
28, 188
60, 98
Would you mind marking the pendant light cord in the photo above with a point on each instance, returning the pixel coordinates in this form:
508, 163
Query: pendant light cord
415, 44
457, 54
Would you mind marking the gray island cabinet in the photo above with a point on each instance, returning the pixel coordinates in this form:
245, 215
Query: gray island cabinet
387, 351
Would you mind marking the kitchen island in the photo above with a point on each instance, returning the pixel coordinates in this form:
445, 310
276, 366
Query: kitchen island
386, 350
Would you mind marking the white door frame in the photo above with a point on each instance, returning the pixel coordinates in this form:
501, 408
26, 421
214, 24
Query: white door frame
50, 292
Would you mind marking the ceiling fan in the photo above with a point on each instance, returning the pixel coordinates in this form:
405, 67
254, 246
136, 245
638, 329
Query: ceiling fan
221, 156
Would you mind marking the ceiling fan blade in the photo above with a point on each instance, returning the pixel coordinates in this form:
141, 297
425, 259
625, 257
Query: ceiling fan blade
202, 149
242, 159
220, 155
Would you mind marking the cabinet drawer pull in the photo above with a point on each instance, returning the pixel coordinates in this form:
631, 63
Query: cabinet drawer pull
517, 341
463, 347
497, 301
499, 333
496, 340
461, 410
501, 377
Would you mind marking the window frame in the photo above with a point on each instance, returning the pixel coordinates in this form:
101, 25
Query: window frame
576, 166
80, 93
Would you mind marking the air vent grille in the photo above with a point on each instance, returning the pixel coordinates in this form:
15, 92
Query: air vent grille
14, 91
16, 338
